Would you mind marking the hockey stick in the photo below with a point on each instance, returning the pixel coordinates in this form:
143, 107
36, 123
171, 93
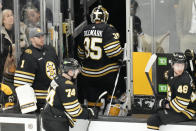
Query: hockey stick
99, 98
147, 69
115, 84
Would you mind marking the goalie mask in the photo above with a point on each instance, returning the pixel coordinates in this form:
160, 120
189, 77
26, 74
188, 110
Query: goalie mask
69, 64
99, 14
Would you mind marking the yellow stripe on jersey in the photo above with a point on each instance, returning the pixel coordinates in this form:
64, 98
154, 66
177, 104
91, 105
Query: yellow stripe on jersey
74, 109
41, 97
183, 99
179, 108
88, 69
78, 113
16, 85
116, 54
80, 49
179, 104
187, 114
153, 127
171, 104
22, 79
25, 73
70, 103
112, 43
41, 91
113, 49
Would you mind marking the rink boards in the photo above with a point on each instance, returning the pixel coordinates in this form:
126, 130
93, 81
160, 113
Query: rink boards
19, 122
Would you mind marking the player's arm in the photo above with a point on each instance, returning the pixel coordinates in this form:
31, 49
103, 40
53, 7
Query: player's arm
80, 47
182, 99
111, 42
71, 104
25, 72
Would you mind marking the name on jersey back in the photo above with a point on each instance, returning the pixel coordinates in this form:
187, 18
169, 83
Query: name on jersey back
93, 33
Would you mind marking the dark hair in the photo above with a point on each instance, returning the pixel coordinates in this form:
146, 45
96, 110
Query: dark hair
134, 4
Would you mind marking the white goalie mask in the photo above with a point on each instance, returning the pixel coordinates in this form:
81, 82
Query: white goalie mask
99, 14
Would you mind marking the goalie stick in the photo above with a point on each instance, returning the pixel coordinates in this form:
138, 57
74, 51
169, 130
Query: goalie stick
147, 69
99, 98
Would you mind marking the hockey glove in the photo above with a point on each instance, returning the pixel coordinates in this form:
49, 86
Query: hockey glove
92, 113
162, 103
189, 54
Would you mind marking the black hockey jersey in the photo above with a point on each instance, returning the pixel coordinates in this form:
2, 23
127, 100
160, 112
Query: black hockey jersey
62, 96
37, 67
179, 93
100, 50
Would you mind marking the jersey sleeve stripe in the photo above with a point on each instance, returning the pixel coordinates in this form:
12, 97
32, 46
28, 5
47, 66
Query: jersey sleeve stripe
179, 109
41, 91
113, 49
100, 69
80, 111
41, 97
116, 54
74, 109
71, 106
21, 79
21, 83
71, 103
112, 46
112, 43
24, 76
80, 49
16, 85
179, 104
183, 99
25, 73
100, 72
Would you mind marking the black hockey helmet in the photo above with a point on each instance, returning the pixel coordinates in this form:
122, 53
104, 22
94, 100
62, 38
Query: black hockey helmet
99, 14
69, 64
178, 57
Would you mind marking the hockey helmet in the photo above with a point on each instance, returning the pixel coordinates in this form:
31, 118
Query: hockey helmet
99, 14
178, 57
69, 64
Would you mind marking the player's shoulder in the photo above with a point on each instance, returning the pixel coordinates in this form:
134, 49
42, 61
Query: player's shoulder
63, 81
110, 28
28, 53
186, 77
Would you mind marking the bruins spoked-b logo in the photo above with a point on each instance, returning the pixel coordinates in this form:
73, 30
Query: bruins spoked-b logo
50, 70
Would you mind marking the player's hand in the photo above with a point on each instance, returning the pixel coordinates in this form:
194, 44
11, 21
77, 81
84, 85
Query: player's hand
189, 54
93, 113
167, 106
163, 103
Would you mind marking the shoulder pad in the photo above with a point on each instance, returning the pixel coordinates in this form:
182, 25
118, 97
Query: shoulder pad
68, 82
6, 89
28, 51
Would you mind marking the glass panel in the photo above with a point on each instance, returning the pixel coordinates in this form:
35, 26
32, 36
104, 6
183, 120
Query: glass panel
30, 13
158, 18
8, 61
